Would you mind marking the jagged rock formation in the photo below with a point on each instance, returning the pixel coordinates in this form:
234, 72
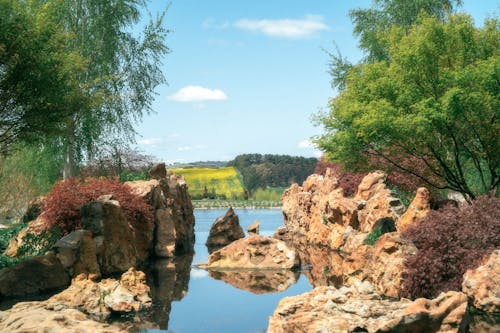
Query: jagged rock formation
417, 210
225, 230
78, 308
360, 309
258, 281
254, 228
254, 252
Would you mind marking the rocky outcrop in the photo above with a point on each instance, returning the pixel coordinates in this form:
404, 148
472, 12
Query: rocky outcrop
114, 237
34, 275
282, 233
254, 252
417, 210
34, 209
258, 281
158, 171
360, 309
225, 230
76, 308
482, 285
173, 212
77, 252
35, 230
318, 213
254, 228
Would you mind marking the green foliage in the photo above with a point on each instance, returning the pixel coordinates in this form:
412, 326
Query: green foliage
6, 261
262, 171
38, 244
382, 226
7, 234
431, 111
221, 183
373, 236
267, 194
35, 73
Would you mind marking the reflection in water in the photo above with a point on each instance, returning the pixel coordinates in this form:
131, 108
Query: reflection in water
168, 280
257, 281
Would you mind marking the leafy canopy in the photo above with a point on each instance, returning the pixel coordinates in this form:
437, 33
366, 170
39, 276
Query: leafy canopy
435, 101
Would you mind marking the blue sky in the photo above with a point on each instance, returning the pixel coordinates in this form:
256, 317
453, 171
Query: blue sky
247, 76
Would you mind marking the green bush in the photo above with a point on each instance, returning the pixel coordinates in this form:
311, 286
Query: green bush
8, 233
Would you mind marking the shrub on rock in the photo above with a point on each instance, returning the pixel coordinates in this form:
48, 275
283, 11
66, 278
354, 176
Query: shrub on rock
65, 199
451, 241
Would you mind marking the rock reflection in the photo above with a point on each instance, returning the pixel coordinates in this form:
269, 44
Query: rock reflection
168, 280
257, 281
322, 266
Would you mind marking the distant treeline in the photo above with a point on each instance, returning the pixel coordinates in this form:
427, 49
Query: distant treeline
262, 171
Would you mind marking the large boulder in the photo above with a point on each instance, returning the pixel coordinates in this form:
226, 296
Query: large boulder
225, 230
82, 307
360, 309
417, 210
254, 252
482, 284
77, 252
34, 275
114, 237
35, 236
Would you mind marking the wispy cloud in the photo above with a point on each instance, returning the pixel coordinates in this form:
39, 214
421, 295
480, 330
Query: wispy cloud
149, 141
305, 144
307, 27
189, 148
198, 94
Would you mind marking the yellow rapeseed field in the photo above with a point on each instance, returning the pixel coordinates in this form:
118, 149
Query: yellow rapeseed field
218, 182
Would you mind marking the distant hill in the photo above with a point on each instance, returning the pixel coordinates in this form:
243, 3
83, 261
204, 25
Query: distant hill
272, 171
220, 183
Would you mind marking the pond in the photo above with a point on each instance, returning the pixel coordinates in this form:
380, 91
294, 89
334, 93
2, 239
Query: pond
188, 299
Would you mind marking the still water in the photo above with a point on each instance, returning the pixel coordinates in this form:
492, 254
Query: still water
201, 303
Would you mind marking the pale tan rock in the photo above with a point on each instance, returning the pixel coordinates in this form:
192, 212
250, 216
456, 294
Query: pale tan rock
224, 230
283, 234
158, 171
254, 252
77, 252
33, 230
417, 210
482, 285
149, 190
34, 317
254, 227
359, 308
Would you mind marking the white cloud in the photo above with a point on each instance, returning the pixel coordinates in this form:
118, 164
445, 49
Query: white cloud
197, 273
198, 94
305, 144
188, 148
286, 28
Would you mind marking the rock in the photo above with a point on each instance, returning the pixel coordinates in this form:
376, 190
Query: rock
150, 190
254, 252
482, 285
34, 275
226, 229
33, 317
33, 231
35, 208
382, 264
360, 309
179, 213
258, 281
417, 210
254, 228
158, 171
371, 184
115, 240
283, 234
100, 299
77, 253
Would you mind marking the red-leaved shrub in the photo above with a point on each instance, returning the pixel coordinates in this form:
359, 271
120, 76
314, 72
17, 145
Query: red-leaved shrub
451, 241
65, 199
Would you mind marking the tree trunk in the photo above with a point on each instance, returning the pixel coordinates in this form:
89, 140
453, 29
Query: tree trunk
69, 158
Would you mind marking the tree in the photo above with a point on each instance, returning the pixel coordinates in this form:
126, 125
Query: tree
372, 25
436, 102
35, 68
122, 71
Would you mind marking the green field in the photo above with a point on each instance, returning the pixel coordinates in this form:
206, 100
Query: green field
220, 183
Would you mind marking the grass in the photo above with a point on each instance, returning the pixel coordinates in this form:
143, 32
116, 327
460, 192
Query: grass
214, 183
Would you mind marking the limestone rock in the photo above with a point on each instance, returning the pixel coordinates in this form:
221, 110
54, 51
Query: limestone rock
360, 309
158, 171
226, 229
34, 317
34, 229
282, 233
254, 228
150, 190
254, 252
77, 253
417, 210
100, 299
258, 281
482, 285
115, 240
34, 275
